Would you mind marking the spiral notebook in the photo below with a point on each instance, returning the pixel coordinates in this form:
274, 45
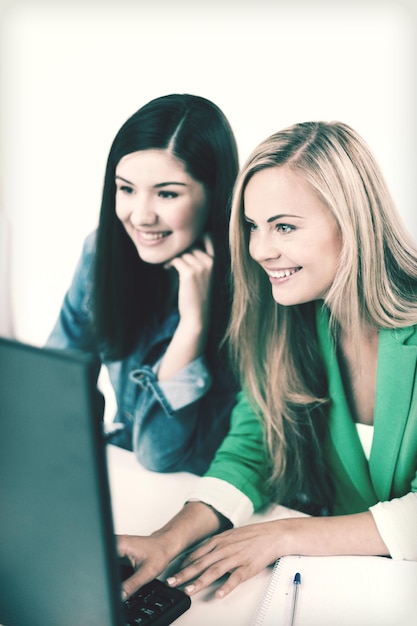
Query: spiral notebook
340, 591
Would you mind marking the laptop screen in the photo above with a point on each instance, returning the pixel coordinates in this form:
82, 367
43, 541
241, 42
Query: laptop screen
57, 555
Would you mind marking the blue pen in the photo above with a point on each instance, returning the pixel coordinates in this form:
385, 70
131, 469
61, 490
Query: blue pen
297, 583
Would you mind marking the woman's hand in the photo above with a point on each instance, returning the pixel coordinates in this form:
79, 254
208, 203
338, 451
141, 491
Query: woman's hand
245, 551
195, 268
241, 553
148, 556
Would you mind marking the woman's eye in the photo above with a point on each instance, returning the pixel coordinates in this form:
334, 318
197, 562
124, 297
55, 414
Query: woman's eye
285, 228
250, 226
167, 194
125, 189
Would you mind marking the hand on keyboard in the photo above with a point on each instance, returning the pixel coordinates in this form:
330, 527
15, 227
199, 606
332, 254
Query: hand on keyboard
155, 604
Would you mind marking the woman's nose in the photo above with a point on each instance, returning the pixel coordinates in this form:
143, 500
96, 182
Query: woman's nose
263, 247
143, 214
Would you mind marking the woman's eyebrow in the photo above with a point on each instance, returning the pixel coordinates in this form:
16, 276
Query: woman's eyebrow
170, 183
274, 217
157, 185
123, 179
280, 216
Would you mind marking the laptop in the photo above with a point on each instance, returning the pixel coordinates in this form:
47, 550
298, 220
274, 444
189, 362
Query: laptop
58, 562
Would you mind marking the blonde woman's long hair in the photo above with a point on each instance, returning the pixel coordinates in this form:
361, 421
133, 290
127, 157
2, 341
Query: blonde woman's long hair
275, 348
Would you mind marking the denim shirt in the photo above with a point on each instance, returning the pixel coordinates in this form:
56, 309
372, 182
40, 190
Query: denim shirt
171, 425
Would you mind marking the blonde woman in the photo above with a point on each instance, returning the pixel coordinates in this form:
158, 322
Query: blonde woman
324, 332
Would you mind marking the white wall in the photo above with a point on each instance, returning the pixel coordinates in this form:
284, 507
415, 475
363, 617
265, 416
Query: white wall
72, 72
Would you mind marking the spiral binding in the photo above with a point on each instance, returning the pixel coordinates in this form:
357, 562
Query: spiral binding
268, 594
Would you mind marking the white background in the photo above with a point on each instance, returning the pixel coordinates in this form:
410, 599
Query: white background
72, 72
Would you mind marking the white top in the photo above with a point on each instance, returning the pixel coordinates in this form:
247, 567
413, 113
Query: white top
224, 497
396, 520
366, 435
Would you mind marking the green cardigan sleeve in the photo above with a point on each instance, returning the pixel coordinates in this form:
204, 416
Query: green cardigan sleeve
241, 459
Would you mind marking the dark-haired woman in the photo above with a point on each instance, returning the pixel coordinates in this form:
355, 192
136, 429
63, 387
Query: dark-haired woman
150, 296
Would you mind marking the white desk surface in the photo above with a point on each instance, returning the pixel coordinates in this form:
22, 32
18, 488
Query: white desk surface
142, 501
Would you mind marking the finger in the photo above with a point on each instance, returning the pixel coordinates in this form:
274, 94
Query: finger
123, 545
208, 244
144, 573
181, 264
194, 256
178, 262
199, 559
195, 261
133, 583
205, 549
216, 572
201, 254
201, 574
231, 583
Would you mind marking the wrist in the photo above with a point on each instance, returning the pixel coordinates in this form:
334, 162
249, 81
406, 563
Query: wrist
196, 521
286, 538
170, 542
192, 328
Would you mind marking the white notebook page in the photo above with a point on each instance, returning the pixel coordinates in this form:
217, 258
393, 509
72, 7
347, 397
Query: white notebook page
341, 591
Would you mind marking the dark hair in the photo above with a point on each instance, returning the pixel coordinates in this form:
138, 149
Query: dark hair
127, 293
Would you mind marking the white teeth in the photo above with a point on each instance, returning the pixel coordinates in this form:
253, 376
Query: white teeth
282, 273
153, 236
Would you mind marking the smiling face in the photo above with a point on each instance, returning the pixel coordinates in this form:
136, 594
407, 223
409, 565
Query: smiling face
293, 235
163, 209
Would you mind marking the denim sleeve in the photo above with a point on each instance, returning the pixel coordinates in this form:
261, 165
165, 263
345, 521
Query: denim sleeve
179, 424
69, 329
187, 386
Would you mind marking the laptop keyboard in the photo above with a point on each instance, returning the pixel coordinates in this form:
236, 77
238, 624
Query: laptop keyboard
155, 604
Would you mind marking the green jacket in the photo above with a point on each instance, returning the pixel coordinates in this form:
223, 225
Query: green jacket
392, 468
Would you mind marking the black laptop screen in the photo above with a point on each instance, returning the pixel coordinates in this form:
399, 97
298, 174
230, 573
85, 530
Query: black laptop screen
57, 557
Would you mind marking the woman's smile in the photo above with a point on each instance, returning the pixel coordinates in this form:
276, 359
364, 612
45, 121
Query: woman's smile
292, 235
151, 237
279, 276
163, 209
